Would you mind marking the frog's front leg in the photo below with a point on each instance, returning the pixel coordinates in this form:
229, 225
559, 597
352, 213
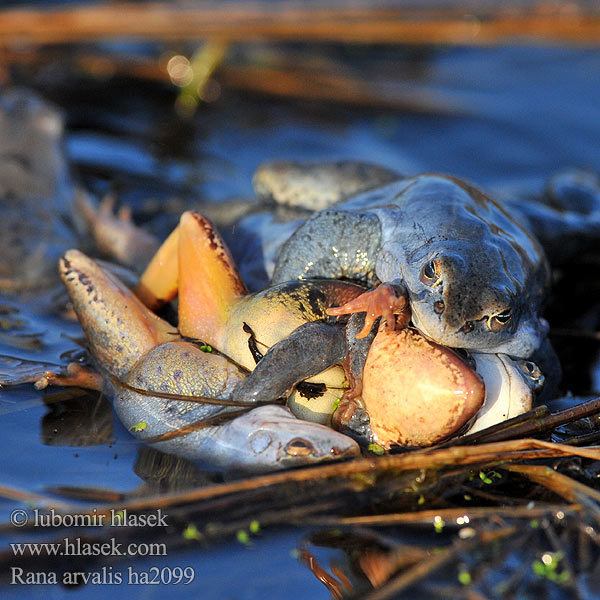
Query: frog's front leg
388, 301
332, 244
307, 351
351, 416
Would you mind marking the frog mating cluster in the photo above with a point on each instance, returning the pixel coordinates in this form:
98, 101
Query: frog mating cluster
206, 389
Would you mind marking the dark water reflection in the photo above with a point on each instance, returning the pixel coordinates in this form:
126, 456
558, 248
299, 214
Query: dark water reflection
525, 112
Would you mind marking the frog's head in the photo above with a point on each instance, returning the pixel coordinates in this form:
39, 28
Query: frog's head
483, 300
271, 438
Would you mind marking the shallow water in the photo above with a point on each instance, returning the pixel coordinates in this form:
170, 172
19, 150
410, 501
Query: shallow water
525, 112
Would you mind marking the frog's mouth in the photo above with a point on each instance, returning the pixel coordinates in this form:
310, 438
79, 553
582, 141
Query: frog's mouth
418, 324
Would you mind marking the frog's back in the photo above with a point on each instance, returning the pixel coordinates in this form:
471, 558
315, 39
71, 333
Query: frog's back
442, 207
439, 207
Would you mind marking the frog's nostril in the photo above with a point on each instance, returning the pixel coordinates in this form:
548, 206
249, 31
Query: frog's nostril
438, 307
467, 327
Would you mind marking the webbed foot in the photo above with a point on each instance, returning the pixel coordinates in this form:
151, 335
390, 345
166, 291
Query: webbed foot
75, 375
116, 235
352, 418
388, 301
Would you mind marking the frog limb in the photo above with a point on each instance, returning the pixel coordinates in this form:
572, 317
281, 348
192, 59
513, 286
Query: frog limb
331, 244
576, 190
212, 285
159, 282
115, 235
118, 327
17, 371
74, 375
318, 185
387, 301
351, 416
566, 218
307, 351
563, 235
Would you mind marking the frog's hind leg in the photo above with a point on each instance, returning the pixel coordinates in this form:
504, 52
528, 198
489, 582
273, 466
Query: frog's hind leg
566, 219
159, 282
117, 235
118, 327
194, 262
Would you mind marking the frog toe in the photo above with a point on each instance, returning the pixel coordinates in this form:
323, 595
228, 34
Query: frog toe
385, 301
115, 235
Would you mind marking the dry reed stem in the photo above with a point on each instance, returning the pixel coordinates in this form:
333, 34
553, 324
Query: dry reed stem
487, 454
562, 485
448, 515
309, 21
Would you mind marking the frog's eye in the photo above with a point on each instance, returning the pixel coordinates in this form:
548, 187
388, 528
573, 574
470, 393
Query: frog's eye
431, 272
499, 321
299, 447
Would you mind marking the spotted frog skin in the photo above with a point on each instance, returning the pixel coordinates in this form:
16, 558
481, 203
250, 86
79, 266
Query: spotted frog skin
475, 278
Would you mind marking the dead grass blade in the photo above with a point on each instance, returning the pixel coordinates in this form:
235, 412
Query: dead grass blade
407, 578
308, 21
359, 471
449, 516
566, 487
33, 499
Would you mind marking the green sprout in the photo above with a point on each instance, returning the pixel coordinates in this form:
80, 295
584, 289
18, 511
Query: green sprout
254, 527
139, 426
243, 537
484, 478
548, 567
464, 577
191, 533
376, 449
